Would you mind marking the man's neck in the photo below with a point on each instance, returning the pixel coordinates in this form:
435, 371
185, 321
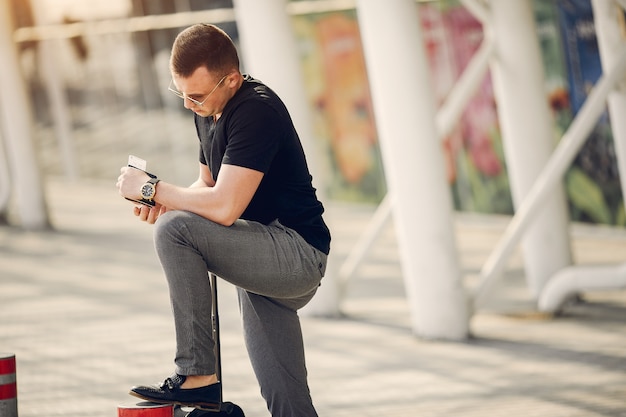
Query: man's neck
239, 84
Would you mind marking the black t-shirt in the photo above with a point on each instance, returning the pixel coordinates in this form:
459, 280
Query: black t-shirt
255, 131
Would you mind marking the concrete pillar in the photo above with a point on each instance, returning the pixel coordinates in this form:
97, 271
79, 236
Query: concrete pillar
404, 107
16, 120
609, 20
270, 54
527, 130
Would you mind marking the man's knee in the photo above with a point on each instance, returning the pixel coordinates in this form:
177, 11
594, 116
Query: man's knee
172, 226
179, 226
167, 222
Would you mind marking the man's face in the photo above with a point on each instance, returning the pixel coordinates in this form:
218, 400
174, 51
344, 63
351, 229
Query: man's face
204, 93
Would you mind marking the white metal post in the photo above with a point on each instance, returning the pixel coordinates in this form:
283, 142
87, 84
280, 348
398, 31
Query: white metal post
608, 18
16, 121
447, 118
270, 53
413, 157
550, 177
527, 129
611, 40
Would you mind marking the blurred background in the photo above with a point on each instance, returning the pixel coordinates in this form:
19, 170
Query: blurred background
106, 95
85, 308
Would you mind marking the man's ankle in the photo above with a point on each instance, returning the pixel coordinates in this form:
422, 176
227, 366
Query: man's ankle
197, 381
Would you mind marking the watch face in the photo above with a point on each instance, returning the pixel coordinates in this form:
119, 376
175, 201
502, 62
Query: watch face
147, 191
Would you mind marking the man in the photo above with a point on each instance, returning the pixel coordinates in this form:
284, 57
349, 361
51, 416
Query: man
251, 217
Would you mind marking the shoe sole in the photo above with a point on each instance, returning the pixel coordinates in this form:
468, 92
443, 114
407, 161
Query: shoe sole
200, 406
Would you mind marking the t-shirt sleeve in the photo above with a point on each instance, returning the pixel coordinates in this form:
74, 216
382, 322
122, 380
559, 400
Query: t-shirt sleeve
255, 133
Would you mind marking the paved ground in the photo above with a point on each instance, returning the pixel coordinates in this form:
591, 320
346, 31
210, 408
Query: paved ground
85, 310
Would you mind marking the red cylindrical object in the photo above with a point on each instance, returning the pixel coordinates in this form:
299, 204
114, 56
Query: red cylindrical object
145, 409
8, 386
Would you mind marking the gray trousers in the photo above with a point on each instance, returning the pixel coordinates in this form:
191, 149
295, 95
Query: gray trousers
275, 271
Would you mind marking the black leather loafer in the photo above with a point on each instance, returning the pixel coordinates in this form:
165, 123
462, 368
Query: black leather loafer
170, 392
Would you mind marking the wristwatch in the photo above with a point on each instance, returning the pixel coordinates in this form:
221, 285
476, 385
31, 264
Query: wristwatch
148, 190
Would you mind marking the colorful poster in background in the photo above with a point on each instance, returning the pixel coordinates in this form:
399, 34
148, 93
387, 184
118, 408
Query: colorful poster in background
339, 91
554, 64
479, 182
592, 183
338, 88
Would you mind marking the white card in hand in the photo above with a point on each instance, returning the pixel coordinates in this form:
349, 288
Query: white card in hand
136, 162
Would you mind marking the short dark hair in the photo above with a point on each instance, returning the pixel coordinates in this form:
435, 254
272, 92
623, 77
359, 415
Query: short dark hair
203, 45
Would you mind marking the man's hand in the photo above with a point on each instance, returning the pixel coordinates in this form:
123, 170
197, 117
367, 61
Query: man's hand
149, 214
130, 181
129, 185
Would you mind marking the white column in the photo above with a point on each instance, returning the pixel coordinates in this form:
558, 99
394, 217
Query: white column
611, 40
16, 120
59, 106
527, 130
270, 54
414, 166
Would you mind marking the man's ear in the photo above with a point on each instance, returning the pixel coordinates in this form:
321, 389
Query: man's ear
233, 79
